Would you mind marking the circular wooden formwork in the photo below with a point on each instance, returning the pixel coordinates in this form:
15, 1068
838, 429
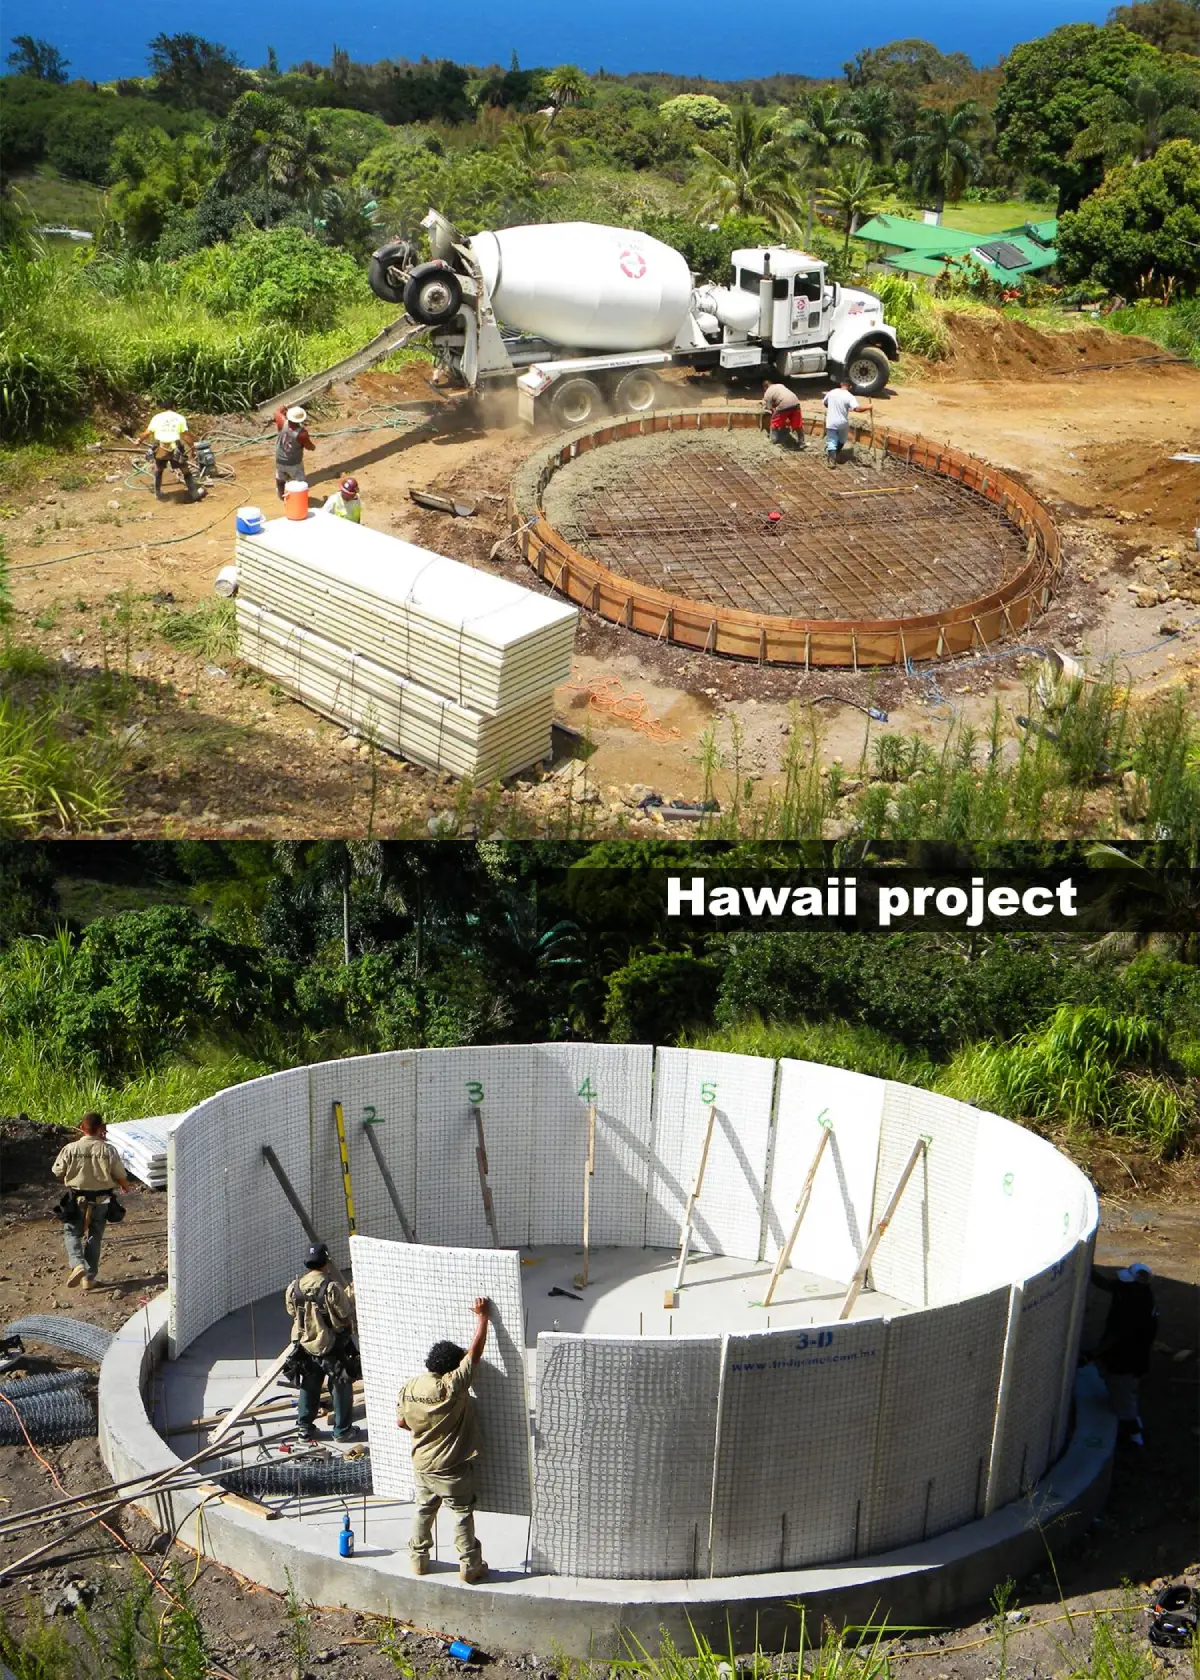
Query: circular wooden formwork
768, 640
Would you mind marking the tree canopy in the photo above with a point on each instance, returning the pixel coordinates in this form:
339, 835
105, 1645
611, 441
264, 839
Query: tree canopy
1139, 233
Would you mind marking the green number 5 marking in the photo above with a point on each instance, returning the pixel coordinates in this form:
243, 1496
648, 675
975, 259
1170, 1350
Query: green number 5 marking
708, 1092
474, 1091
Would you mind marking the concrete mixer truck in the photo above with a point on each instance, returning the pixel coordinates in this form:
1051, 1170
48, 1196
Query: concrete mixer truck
582, 318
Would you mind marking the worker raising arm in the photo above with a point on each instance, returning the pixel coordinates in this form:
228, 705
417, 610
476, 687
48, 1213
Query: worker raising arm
290, 445
91, 1170
438, 1410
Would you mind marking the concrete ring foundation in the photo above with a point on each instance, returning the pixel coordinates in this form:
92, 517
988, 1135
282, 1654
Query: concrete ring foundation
786, 1426
691, 527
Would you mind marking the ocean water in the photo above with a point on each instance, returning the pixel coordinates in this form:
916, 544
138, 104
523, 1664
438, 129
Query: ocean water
105, 38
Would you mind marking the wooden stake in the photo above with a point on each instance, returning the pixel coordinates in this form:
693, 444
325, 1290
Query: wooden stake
388, 1184
481, 1161
671, 1297
257, 1387
860, 1275
581, 1282
785, 1253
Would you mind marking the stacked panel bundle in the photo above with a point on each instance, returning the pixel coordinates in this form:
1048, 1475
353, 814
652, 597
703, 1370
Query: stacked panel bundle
142, 1146
450, 667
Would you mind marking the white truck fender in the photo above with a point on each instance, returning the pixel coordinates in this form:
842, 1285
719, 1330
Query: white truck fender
855, 330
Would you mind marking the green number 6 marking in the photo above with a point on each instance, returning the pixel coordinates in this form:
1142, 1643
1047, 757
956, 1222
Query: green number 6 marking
708, 1092
474, 1091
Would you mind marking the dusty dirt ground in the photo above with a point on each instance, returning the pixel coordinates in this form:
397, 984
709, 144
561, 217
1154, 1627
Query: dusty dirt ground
212, 750
1147, 1534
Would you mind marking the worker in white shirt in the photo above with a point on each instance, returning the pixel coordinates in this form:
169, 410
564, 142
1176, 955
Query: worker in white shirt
172, 440
840, 403
345, 503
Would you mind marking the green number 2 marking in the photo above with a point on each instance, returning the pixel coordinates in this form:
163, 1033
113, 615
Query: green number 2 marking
708, 1092
370, 1118
587, 1091
474, 1091
1007, 1183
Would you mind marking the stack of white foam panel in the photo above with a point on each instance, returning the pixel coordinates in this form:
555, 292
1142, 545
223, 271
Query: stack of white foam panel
448, 666
142, 1145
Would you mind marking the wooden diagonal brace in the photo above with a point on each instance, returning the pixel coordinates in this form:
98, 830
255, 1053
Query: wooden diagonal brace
388, 1183
481, 1161
860, 1275
785, 1253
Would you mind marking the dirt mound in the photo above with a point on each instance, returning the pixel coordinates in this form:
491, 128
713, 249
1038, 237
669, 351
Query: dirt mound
997, 347
1143, 480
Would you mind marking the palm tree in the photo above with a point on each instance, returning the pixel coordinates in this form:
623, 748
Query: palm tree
747, 172
823, 128
940, 157
853, 194
1132, 125
529, 144
566, 85
874, 113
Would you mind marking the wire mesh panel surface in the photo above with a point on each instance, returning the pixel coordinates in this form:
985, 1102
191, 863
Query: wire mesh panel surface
937, 1411
623, 1466
410, 1296
1026, 1203
687, 1085
797, 1433
615, 1079
919, 1258
376, 1091
837, 1223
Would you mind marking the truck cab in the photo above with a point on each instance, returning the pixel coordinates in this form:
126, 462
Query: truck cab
807, 323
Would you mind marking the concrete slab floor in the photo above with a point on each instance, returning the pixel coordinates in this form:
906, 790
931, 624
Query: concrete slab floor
624, 1297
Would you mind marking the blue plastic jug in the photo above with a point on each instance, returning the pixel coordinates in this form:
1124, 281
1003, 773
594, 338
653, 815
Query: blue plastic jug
346, 1538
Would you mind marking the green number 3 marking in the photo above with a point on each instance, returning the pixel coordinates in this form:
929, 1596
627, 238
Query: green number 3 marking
587, 1091
1007, 1182
708, 1092
474, 1091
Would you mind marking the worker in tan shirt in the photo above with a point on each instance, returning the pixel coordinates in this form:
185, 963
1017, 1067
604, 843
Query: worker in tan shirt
322, 1315
91, 1170
438, 1409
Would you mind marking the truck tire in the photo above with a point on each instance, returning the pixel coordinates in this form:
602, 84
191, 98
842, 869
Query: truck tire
867, 369
576, 401
433, 294
398, 255
637, 392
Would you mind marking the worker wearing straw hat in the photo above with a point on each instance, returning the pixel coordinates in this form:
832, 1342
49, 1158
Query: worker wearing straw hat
290, 445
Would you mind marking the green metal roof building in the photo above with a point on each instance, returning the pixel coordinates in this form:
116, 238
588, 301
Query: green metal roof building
909, 247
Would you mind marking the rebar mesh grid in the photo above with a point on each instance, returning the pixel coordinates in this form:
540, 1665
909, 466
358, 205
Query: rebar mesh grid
865, 575
877, 538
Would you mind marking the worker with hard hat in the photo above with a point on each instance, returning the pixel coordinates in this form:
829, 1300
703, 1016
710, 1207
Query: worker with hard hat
323, 1346
290, 445
345, 503
172, 439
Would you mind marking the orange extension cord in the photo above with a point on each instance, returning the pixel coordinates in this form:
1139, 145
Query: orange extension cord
605, 694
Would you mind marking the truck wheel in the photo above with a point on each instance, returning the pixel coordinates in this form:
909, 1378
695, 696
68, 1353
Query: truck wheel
433, 294
576, 401
867, 370
389, 258
637, 392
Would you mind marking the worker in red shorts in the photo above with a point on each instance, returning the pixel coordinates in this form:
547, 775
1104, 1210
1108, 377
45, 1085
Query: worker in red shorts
787, 422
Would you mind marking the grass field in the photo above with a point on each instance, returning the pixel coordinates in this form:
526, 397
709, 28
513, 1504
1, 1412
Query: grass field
58, 203
991, 218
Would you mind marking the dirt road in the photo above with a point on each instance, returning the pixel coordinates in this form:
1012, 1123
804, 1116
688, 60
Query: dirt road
214, 750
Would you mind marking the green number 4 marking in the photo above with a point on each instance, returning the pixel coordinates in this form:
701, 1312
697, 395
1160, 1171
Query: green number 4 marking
474, 1091
588, 1091
708, 1092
